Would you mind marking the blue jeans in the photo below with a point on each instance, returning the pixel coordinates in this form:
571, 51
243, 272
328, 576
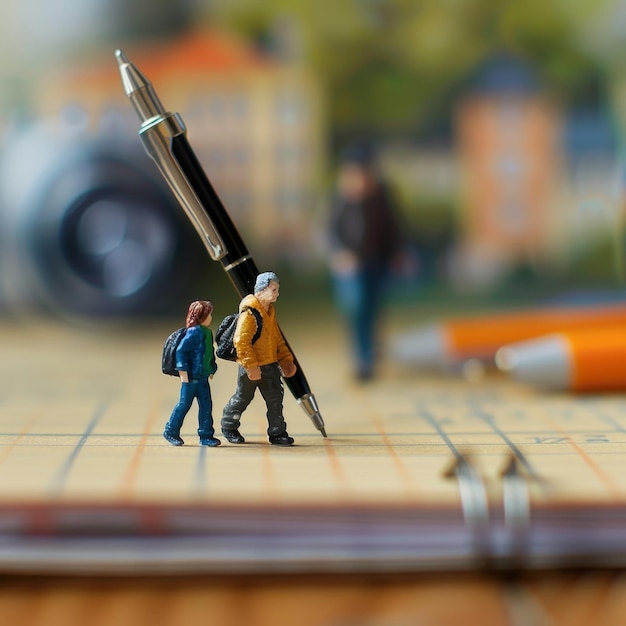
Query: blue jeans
200, 390
359, 295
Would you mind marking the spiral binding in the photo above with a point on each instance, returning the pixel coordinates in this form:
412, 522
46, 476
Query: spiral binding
497, 539
474, 503
516, 506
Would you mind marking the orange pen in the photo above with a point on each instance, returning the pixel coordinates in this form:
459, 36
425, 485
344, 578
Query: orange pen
577, 360
480, 336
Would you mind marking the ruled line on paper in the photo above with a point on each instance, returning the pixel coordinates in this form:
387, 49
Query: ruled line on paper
607, 480
612, 423
339, 476
129, 477
491, 422
6, 452
59, 479
403, 472
436, 424
199, 483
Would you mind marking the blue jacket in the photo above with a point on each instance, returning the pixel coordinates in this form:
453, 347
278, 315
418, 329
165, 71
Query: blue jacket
190, 354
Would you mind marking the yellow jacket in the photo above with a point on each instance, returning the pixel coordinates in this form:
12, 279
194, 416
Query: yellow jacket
270, 347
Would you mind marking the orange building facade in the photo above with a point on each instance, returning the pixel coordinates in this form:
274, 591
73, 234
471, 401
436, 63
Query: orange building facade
510, 163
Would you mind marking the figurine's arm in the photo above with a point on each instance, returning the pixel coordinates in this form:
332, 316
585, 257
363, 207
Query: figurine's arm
184, 354
284, 355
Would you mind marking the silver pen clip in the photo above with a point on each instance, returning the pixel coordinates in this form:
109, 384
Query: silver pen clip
157, 135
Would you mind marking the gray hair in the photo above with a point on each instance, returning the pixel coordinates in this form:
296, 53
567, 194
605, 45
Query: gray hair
263, 280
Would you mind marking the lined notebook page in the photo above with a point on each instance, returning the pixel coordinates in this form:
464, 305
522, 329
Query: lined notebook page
82, 415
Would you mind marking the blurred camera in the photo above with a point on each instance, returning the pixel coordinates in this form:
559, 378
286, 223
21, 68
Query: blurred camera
88, 227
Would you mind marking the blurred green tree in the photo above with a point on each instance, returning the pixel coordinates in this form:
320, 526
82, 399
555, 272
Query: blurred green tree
390, 66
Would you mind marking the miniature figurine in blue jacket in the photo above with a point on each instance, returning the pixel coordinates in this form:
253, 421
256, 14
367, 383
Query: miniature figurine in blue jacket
195, 362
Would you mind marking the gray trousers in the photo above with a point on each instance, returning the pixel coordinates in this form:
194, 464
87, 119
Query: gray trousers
271, 387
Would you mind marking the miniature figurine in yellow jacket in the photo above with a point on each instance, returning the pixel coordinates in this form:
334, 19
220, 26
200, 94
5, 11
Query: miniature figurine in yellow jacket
261, 364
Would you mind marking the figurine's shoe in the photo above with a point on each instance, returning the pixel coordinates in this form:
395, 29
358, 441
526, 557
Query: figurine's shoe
175, 440
210, 441
233, 436
281, 440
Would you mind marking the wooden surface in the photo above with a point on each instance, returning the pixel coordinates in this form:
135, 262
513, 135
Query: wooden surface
574, 599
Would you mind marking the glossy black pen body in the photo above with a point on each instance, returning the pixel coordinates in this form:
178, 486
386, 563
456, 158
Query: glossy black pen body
164, 137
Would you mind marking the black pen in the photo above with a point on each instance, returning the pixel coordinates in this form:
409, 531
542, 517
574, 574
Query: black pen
164, 137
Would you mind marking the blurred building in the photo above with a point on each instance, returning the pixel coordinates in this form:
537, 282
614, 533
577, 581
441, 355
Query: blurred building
256, 123
519, 186
508, 137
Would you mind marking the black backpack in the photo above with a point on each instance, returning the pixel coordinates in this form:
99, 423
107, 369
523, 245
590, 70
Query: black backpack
226, 331
168, 360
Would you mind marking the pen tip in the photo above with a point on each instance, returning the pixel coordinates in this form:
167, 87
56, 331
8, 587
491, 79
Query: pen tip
121, 57
323, 431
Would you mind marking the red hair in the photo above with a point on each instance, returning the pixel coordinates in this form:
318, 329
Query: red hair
198, 311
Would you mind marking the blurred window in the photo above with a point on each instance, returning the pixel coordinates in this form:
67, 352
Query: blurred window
291, 108
291, 154
513, 217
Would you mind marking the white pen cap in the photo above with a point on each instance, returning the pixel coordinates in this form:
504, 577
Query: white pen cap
423, 347
545, 361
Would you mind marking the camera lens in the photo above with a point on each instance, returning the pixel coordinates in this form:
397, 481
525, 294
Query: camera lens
100, 235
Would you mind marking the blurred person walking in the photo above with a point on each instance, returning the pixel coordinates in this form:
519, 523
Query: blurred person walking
366, 242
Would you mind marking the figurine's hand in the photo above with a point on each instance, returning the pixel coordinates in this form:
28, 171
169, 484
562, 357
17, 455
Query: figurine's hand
184, 377
289, 369
254, 373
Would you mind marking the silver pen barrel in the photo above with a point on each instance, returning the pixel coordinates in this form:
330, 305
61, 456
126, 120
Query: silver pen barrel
159, 129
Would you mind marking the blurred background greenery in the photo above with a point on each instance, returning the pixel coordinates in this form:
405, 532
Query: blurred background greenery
499, 125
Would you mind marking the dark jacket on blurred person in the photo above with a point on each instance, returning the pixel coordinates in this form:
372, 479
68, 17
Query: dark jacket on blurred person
365, 238
366, 227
